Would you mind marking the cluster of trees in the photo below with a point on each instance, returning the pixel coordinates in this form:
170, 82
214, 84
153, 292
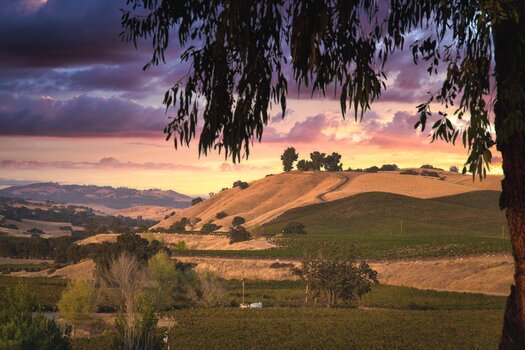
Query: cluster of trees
140, 288
333, 279
60, 249
22, 326
167, 216
181, 226
241, 184
238, 234
65, 250
86, 218
294, 228
318, 161
196, 201
375, 169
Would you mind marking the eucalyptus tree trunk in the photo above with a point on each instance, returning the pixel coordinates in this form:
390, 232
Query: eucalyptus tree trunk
510, 79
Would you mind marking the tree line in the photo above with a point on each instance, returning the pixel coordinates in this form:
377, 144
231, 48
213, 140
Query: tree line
317, 161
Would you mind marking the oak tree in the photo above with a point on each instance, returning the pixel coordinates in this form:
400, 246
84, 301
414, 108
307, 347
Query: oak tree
288, 157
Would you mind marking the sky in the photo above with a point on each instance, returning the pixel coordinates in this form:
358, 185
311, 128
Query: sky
76, 107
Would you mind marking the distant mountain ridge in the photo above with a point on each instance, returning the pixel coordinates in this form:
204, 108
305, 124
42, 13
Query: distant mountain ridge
111, 197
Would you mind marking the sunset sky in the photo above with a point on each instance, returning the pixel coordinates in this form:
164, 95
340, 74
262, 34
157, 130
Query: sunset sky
76, 107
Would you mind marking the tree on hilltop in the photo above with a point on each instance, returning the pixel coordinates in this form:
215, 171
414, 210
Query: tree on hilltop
288, 157
304, 165
332, 162
236, 74
317, 159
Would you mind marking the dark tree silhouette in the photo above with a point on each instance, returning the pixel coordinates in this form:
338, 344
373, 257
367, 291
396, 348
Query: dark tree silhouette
197, 200
238, 221
304, 165
332, 162
239, 50
288, 157
317, 159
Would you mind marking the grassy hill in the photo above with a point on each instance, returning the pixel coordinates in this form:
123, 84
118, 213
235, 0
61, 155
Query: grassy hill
386, 225
269, 197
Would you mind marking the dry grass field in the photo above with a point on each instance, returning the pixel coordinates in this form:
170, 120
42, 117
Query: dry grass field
51, 229
193, 242
478, 274
150, 212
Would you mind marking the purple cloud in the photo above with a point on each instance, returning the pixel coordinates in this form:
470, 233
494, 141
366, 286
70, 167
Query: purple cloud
104, 163
79, 116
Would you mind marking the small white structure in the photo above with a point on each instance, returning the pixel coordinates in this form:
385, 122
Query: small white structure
257, 305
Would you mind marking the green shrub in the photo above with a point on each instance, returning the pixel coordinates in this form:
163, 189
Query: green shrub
22, 328
294, 228
239, 234
241, 184
196, 201
389, 167
238, 221
221, 215
209, 227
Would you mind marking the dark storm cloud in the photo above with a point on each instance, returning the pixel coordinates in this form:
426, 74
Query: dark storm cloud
61, 33
62, 47
80, 116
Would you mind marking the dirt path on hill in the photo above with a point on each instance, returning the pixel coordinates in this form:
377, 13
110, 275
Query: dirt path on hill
345, 180
318, 198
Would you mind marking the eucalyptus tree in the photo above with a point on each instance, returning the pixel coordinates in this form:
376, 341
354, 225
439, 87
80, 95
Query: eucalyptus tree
239, 52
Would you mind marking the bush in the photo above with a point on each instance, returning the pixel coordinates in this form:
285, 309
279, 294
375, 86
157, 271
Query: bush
11, 226
76, 302
221, 215
409, 172
36, 231
209, 227
241, 184
332, 280
372, 169
389, 167
139, 331
430, 167
238, 221
179, 226
209, 290
22, 328
454, 169
239, 234
429, 173
196, 201
294, 228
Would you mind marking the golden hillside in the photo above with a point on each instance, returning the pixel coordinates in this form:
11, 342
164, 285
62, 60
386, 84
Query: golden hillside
271, 196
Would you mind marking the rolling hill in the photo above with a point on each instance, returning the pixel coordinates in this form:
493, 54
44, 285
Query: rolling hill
107, 196
391, 226
270, 197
